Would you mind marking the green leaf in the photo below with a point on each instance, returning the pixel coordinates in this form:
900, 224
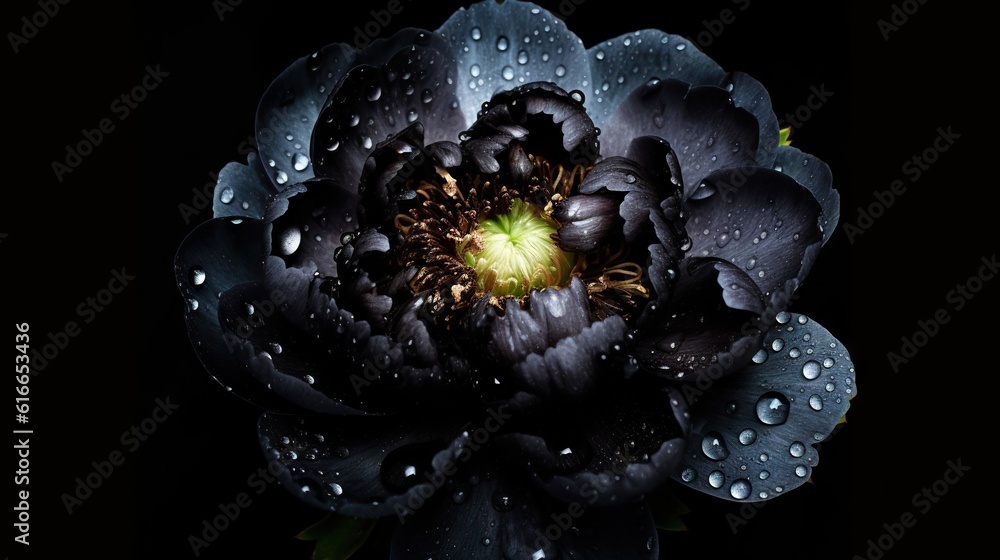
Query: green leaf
667, 509
784, 136
337, 537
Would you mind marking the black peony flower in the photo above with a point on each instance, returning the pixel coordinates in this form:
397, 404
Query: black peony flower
485, 280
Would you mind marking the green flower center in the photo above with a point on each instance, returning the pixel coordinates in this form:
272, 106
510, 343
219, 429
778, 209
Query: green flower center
514, 253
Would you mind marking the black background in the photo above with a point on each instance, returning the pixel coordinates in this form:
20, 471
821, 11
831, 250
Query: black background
119, 208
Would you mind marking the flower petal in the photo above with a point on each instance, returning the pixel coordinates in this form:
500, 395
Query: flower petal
613, 450
360, 467
703, 126
286, 360
546, 119
305, 226
242, 190
373, 103
212, 260
500, 518
712, 314
551, 347
758, 219
620, 65
751, 95
756, 429
501, 45
813, 174
291, 106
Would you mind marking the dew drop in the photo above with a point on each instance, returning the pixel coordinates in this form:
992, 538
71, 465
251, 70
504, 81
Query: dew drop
748, 436
688, 475
522, 57
760, 357
197, 275
192, 304
599, 55
772, 408
226, 196
716, 479
502, 43
777, 344
290, 240
811, 369
336, 489
681, 46
763, 475
797, 449
476, 34
475, 70
300, 162
794, 352
815, 402
281, 177
828, 363
560, 71
374, 93
308, 379
507, 73
801, 471
739, 489
714, 447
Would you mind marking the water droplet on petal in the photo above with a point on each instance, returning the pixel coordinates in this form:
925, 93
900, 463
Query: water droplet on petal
801, 471
688, 475
714, 447
716, 479
772, 409
748, 436
811, 369
507, 73
815, 402
197, 275
300, 162
226, 196
502, 43
797, 449
289, 241
476, 34
336, 489
560, 71
777, 344
760, 357
739, 489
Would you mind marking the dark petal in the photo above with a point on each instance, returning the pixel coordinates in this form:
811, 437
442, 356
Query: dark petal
613, 451
588, 221
703, 126
552, 346
655, 155
358, 466
487, 42
500, 518
280, 357
545, 119
815, 175
305, 226
362, 262
751, 95
373, 103
393, 161
756, 428
217, 256
712, 315
628, 61
758, 219
291, 106
643, 195
242, 190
